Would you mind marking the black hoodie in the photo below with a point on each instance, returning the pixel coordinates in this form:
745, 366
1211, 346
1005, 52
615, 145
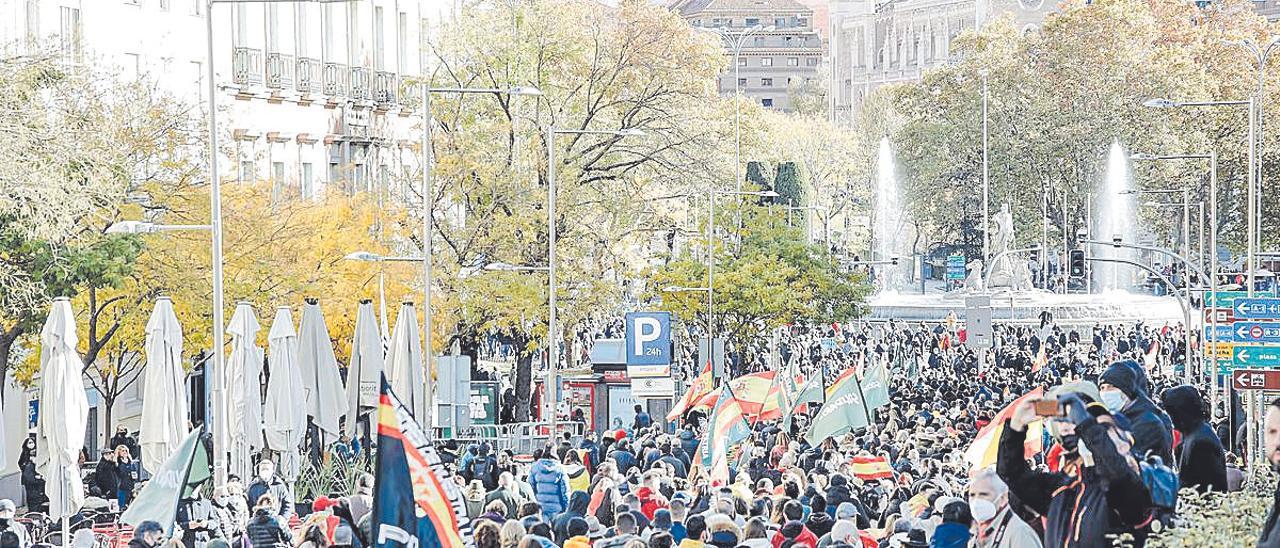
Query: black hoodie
1150, 426
578, 503
1202, 462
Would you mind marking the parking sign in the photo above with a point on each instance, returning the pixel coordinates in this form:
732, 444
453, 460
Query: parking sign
648, 338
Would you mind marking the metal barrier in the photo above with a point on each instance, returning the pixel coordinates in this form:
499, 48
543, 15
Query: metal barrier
522, 438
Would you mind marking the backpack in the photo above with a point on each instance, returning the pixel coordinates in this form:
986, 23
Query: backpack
1161, 482
480, 468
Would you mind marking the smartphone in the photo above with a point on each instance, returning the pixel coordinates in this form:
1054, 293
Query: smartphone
1048, 408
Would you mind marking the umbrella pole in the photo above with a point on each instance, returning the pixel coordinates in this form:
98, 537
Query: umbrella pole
66, 525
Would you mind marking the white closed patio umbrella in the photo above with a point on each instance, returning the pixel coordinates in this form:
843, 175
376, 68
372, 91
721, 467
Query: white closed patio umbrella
164, 399
364, 371
64, 413
320, 377
284, 416
404, 363
244, 375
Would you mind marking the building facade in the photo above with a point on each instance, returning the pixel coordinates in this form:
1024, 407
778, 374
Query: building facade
878, 42
312, 97
767, 64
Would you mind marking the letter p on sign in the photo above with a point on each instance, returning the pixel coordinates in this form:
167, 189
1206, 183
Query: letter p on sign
648, 338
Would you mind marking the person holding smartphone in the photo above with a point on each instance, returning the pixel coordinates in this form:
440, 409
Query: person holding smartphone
1098, 490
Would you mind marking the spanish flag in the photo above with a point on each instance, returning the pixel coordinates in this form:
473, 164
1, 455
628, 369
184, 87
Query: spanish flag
872, 468
700, 387
728, 427
758, 395
982, 452
416, 500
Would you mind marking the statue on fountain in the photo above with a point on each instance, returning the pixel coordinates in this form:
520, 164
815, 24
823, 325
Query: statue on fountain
1007, 271
973, 282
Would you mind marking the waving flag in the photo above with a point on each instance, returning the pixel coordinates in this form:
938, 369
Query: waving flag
728, 427
982, 452
875, 385
416, 502
844, 411
758, 395
871, 468
700, 387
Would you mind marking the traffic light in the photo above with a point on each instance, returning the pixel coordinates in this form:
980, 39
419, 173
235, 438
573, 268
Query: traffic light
1077, 263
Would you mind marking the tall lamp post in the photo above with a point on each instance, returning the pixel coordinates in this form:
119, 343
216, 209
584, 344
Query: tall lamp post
553, 338
1260, 55
428, 220
1213, 198
736, 40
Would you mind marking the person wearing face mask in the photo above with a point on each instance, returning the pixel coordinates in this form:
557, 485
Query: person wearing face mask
1124, 391
1097, 490
994, 522
198, 519
224, 514
1270, 536
267, 482
10, 527
122, 437
148, 534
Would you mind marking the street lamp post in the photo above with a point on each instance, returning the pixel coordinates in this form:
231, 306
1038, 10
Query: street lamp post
986, 181
1260, 54
553, 338
736, 41
428, 219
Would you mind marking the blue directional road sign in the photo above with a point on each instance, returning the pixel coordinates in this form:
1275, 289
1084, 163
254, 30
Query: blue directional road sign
1223, 298
1256, 332
1224, 333
1256, 309
648, 339
1256, 356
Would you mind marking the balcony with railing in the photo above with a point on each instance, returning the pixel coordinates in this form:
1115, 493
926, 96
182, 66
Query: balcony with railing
280, 69
335, 79
309, 75
386, 85
246, 66
360, 83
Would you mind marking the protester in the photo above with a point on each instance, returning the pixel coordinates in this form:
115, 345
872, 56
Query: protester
268, 483
266, 529
550, 486
1123, 390
1098, 490
147, 534
16, 534
1202, 462
1270, 537
996, 525
198, 519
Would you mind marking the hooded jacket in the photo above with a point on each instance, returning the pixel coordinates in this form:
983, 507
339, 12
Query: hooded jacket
1108, 497
797, 533
1202, 462
578, 502
650, 501
1152, 430
550, 487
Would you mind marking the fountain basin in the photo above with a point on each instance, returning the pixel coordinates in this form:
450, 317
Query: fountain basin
1111, 307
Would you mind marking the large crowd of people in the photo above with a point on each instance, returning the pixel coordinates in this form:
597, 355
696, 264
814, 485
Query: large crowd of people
1065, 436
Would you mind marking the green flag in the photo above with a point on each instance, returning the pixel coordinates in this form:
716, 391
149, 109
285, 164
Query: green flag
185, 470
844, 411
875, 385
811, 392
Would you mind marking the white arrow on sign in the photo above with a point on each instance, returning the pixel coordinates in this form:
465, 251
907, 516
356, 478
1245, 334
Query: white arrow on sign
1240, 308
1243, 355
1241, 331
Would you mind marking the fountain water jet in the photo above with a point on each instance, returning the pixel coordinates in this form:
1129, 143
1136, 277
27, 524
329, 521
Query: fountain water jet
1117, 214
892, 229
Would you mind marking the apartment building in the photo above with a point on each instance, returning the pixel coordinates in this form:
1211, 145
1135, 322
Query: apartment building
313, 97
785, 53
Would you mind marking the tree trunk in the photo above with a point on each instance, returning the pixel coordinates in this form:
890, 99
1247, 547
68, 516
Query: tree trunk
524, 380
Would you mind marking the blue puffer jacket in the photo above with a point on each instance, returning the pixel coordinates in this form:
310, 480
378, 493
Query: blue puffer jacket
550, 487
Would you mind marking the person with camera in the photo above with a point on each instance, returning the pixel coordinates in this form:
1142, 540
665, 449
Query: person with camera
1098, 490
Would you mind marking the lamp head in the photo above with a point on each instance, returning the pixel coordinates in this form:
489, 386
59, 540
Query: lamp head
364, 256
130, 227
1159, 103
768, 194
1142, 156
525, 90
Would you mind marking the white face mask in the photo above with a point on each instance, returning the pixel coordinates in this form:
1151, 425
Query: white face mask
222, 501
1115, 400
265, 475
983, 510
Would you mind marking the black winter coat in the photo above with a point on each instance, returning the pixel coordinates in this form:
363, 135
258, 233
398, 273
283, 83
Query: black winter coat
265, 530
1151, 427
1270, 537
1202, 462
1108, 497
